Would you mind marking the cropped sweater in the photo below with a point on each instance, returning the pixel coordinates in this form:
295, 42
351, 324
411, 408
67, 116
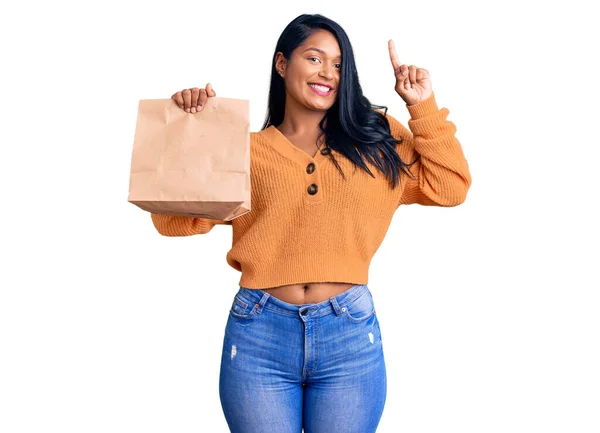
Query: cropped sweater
308, 224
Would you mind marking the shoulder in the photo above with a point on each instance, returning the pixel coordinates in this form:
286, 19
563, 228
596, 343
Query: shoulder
264, 135
397, 129
262, 140
391, 119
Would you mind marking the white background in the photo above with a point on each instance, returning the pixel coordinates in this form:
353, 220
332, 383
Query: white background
489, 310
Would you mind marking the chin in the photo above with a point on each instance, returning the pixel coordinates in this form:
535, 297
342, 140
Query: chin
319, 107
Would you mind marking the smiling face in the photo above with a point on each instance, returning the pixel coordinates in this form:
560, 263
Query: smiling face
316, 61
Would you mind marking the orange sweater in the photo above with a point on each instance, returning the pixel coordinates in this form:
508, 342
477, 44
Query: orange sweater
292, 236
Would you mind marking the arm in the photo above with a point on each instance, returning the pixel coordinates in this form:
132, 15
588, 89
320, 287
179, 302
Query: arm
442, 176
168, 225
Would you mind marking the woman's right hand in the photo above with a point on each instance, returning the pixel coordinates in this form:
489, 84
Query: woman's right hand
194, 99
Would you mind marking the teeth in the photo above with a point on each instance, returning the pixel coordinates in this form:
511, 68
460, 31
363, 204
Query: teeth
321, 88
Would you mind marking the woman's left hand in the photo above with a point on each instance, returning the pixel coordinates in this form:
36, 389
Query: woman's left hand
412, 84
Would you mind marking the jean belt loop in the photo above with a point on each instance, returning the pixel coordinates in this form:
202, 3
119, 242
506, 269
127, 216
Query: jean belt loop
262, 302
335, 306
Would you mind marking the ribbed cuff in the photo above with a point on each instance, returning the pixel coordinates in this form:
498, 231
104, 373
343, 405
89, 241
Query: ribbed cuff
423, 108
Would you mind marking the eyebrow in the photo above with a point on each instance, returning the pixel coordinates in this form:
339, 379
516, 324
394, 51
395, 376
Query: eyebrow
320, 51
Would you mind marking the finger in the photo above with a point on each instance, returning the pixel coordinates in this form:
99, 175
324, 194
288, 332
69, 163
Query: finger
210, 92
406, 77
404, 71
393, 56
194, 99
178, 98
202, 100
412, 74
187, 99
422, 74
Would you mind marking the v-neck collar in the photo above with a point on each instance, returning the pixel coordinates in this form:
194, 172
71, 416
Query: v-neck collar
284, 146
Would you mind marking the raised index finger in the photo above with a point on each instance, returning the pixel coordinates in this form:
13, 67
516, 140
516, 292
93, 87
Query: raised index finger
393, 55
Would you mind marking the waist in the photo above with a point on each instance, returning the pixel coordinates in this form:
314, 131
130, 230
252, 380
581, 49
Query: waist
329, 306
306, 293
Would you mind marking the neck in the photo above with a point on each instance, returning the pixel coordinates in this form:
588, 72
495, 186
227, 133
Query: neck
299, 120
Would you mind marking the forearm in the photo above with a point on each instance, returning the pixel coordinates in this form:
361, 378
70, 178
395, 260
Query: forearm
442, 176
168, 225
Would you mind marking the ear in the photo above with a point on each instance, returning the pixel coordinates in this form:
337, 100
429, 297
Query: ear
280, 63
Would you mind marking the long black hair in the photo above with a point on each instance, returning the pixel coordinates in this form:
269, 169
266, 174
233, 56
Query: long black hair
353, 128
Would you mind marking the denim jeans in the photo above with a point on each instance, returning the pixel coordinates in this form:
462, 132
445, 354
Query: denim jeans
285, 366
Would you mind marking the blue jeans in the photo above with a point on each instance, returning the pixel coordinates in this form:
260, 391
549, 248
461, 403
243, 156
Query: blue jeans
285, 367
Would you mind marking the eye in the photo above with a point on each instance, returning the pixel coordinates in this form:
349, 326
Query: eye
340, 65
310, 58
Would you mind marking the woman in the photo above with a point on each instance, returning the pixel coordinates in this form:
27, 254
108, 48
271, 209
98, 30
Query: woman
302, 345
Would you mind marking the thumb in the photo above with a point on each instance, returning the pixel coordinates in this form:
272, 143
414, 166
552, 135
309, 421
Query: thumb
210, 91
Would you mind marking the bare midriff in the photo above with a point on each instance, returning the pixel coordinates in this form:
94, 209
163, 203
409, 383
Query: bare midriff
308, 293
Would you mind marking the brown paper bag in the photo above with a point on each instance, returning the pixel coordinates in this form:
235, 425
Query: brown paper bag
192, 164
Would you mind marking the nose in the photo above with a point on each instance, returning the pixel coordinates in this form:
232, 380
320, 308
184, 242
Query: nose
326, 72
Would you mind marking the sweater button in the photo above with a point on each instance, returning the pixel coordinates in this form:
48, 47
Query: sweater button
310, 168
325, 151
312, 190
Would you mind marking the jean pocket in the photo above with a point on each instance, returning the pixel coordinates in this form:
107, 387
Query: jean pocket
361, 308
241, 309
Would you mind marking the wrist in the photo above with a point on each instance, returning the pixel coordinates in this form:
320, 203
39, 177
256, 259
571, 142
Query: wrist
423, 108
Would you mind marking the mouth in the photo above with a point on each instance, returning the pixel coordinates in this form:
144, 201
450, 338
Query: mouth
319, 89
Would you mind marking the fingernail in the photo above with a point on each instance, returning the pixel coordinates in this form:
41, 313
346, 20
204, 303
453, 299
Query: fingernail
193, 109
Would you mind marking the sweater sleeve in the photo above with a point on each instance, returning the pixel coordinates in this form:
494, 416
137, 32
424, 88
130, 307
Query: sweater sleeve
168, 225
441, 174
